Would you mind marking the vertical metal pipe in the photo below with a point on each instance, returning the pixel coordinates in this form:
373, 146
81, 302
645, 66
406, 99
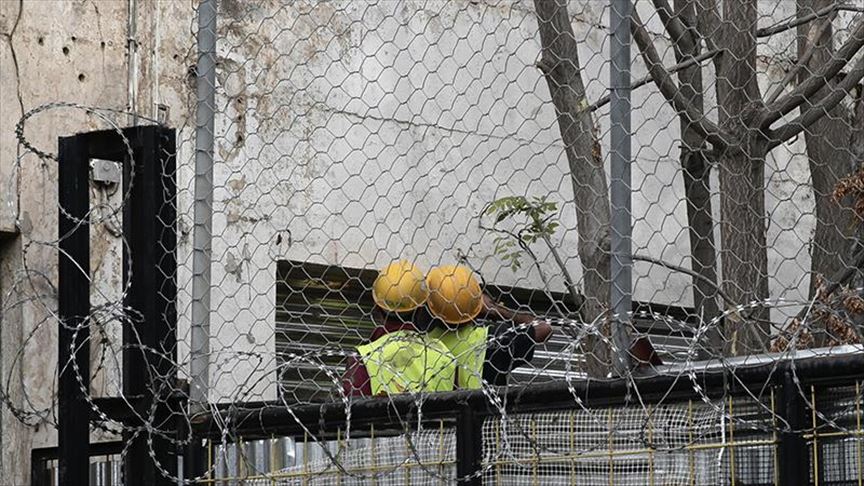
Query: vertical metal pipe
203, 202
621, 263
132, 60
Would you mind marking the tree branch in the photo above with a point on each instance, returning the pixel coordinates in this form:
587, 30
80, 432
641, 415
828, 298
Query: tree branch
846, 274
700, 125
677, 29
817, 81
647, 79
693, 274
820, 108
840, 278
578, 300
802, 61
791, 24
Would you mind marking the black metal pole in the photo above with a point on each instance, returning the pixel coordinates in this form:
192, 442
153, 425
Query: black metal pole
39, 469
469, 446
73, 434
194, 459
149, 264
792, 450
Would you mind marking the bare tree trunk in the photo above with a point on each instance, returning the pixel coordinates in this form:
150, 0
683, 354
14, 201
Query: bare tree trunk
560, 65
746, 135
857, 147
830, 156
742, 166
857, 135
696, 172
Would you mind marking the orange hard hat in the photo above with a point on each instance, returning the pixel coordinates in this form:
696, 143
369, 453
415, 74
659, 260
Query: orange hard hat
455, 296
400, 287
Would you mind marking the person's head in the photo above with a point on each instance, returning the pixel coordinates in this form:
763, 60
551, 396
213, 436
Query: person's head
399, 293
455, 296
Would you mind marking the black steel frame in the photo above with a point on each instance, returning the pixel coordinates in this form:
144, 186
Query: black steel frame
40, 457
149, 329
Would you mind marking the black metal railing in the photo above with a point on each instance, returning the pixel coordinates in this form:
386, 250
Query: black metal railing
711, 424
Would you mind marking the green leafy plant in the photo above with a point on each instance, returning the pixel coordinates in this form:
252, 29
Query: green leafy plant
535, 219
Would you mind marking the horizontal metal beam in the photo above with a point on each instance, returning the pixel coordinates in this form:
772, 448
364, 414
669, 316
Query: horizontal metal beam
265, 419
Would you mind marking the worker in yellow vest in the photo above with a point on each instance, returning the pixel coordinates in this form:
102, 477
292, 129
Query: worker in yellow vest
456, 300
399, 358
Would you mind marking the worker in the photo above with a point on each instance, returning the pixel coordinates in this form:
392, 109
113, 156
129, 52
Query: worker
399, 358
456, 301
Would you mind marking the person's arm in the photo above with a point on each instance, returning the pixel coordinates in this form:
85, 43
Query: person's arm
497, 312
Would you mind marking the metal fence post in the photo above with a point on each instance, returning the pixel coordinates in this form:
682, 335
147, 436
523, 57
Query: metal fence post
73, 411
203, 203
794, 458
621, 263
469, 446
150, 267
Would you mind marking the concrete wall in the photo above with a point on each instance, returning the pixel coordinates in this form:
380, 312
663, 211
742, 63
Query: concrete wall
71, 51
346, 134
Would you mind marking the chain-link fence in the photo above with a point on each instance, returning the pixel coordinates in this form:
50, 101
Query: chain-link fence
482, 142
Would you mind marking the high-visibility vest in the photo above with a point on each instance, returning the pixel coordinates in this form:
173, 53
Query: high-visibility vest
468, 345
408, 361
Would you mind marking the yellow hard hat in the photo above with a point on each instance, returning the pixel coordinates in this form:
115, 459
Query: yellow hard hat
455, 296
400, 287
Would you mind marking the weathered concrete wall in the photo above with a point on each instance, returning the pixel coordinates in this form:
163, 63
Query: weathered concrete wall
74, 51
62, 53
10, 111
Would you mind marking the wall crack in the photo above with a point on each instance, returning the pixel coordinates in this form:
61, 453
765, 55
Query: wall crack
433, 126
15, 57
20, 100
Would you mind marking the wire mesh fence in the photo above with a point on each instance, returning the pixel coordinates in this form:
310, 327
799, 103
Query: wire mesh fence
473, 142
728, 439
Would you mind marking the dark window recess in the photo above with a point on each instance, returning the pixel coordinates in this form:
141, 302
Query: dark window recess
323, 312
